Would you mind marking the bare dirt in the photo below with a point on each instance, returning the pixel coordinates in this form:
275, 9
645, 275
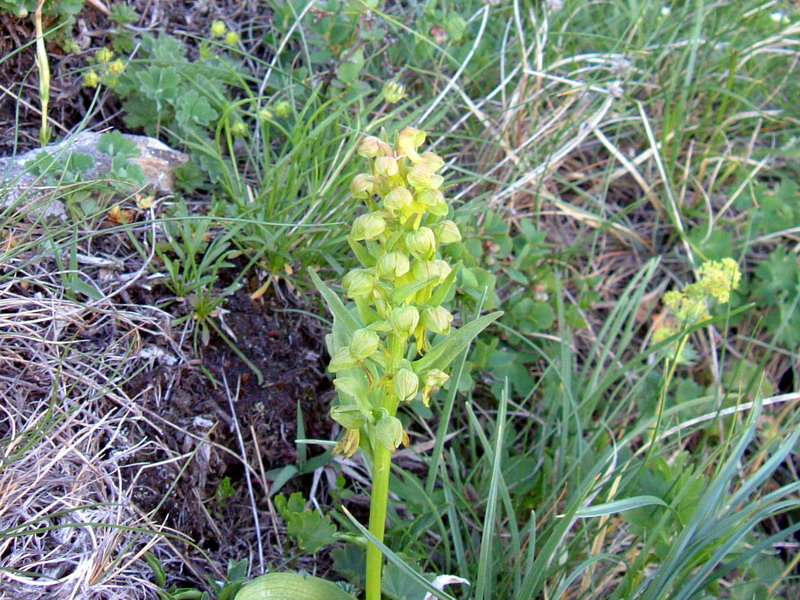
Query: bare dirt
284, 346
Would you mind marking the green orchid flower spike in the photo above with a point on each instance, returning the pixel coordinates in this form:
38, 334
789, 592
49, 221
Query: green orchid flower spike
394, 340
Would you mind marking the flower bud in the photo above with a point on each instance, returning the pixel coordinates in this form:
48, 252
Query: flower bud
433, 161
342, 360
421, 242
358, 283
429, 197
349, 416
362, 185
364, 344
218, 29
398, 199
441, 268
406, 385
386, 166
390, 432
393, 92
404, 320
422, 177
283, 109
448, 233
408, 141
265, 114
372, 147
368, 227
423, 270
437, 320
231, 38
393, 264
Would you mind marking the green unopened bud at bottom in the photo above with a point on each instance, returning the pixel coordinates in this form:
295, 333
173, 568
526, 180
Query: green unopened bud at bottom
390, 432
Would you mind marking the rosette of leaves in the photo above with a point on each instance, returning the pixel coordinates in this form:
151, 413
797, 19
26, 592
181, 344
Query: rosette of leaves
393, 341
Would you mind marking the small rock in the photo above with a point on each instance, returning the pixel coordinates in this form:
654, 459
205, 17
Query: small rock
29, 196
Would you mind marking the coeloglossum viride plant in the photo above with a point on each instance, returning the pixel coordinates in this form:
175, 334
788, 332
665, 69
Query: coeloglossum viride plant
395, 341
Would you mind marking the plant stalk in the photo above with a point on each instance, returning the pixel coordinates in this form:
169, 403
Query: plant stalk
381, 467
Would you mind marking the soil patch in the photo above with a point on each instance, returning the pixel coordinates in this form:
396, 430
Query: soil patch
200, 411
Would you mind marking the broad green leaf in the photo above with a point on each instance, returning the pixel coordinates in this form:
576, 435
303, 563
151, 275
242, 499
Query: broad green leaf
440, 295
337, 308
447, 351
404, 292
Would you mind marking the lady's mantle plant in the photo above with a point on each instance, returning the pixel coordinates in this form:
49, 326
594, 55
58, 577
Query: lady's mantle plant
395, 341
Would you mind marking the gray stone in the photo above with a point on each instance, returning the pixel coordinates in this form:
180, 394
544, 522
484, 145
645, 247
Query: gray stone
29, 196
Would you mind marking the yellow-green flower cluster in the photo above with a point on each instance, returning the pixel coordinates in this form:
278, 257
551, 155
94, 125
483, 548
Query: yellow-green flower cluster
399, 288
690, 306
106, 69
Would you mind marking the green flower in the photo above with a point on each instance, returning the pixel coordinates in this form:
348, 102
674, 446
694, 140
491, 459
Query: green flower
91, 78
283, 109
436, 319
404, 320
421, 242
368, 227
393, 265
406, 385
364, 344
408, 141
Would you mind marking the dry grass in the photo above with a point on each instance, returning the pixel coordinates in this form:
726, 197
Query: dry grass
68, 527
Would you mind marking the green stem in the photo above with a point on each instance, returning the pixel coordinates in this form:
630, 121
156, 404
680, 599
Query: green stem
381, 466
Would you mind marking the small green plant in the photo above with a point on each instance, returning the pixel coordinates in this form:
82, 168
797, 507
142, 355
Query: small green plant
220, 590
310, 529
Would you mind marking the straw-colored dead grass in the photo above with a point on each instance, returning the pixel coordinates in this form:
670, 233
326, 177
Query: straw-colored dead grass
68, 528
